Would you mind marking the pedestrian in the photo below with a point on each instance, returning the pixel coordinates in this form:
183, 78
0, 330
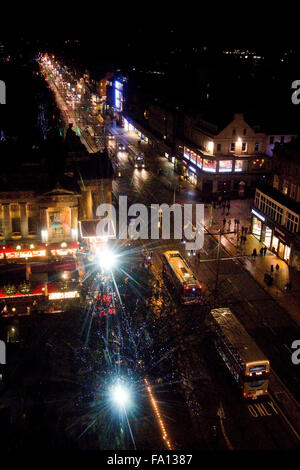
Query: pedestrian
261, 251
243, 229
224, 222
246, 230
245, 239
265, 250
199, 256
277, 267
272, 268
254, 253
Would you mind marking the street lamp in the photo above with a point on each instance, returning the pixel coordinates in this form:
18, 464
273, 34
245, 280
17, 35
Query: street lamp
120, 395
106, 259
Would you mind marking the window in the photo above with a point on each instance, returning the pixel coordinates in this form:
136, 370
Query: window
233, 131
16, 224
285, 187
291, 222
193, 157
209, 165
1, 227
256, 146
239, 165
232, 147
218, 147
225, 165
245, 131
244, 147
186, 153
293, 191
32, 224
272, 139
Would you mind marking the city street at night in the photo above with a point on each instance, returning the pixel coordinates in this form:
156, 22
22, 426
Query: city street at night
149, 248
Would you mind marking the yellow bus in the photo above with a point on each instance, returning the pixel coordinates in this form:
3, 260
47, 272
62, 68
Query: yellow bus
181, 278
248, 365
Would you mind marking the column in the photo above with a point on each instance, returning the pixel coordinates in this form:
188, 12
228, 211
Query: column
44, 224
7, 221
74, 223
43, 218
24, 220
89, 204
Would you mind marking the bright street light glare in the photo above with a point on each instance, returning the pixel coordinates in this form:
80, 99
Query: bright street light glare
106, 259
120, 395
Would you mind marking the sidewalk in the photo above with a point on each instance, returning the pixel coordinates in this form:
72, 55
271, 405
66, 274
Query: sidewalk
258, 267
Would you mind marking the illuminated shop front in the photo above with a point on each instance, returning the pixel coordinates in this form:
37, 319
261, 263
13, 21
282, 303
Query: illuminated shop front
273, 238
266, 236
281, 245
256, 227
193, 157
22, 252
128, 127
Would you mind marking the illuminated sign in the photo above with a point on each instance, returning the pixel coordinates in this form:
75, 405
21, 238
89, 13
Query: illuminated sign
61, 252
25, 254
63, 295
258, 215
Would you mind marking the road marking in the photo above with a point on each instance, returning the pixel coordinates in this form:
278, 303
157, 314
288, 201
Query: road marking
221, 415
261, 410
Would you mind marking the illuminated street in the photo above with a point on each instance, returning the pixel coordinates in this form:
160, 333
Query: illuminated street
110, 339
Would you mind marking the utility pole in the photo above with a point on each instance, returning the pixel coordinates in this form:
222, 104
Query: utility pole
218, 265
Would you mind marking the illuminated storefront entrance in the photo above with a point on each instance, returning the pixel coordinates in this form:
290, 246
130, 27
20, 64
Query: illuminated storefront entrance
256, 227
275, 244
266, 236
272, 237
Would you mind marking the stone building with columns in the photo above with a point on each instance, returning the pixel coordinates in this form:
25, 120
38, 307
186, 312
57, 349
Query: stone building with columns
33, 210
30, 216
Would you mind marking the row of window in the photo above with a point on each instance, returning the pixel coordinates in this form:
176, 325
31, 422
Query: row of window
210, 165
272, 139
275, 212
244, 147
16, 225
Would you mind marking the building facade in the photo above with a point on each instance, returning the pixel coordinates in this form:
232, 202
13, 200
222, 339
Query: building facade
220, 158
276, 209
